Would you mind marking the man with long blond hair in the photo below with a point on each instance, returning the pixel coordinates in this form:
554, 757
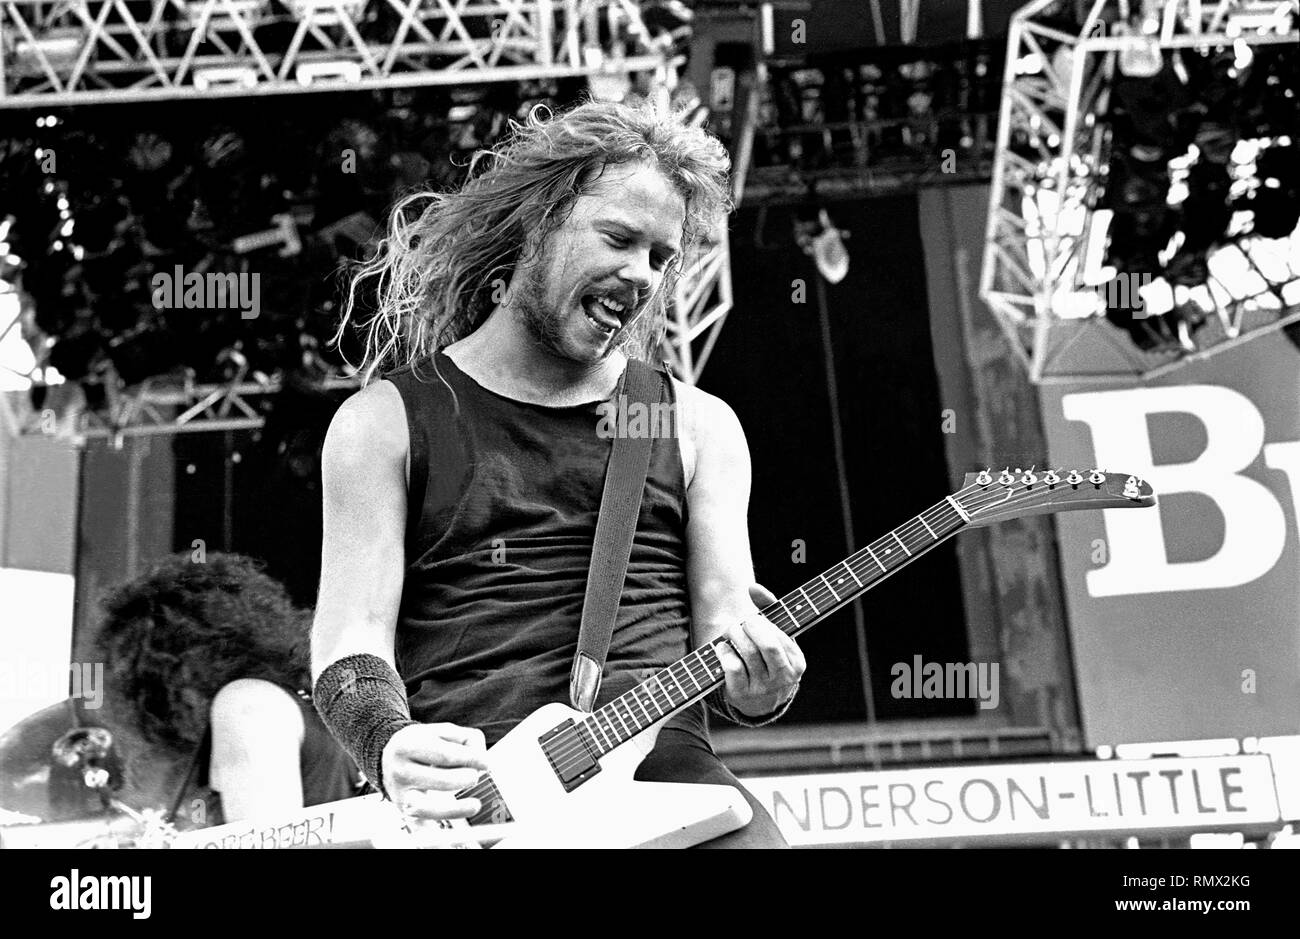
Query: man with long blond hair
462, 484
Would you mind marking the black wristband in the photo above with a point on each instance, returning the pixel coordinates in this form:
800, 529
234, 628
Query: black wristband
362, 701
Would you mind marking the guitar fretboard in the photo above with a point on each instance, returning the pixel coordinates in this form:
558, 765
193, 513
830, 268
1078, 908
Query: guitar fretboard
700, 672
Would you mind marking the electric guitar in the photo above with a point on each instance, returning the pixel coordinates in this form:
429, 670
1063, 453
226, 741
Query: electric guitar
564, 777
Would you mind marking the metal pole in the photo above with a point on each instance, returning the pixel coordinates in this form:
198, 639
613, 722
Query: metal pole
846, 505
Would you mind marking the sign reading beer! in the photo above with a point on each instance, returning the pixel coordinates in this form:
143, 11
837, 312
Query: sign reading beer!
1020, 799
1186, 621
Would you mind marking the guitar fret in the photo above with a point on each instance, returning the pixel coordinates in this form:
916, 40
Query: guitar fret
710, 666
633, 721
793, 618
793, 621
876, 559
651, 691
810, 603
849, 568
672, 698
644, 710
900, 543
681, 692
604, 742
928, 528
590, 739
690, 673
829, 587
621, 722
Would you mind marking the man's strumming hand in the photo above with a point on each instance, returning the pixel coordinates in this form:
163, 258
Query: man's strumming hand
425, 765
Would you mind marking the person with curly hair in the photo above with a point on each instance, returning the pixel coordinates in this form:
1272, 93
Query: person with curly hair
459, 514
206, 668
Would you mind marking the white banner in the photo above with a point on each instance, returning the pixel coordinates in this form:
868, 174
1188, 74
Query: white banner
1019, 799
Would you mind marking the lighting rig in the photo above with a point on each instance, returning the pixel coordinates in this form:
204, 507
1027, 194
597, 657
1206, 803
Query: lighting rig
1144, 202
85, 51
78, 336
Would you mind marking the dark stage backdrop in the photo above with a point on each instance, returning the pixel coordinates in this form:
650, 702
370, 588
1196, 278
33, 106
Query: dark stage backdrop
769, 366
258, 492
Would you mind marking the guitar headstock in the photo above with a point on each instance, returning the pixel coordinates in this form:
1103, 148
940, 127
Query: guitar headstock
995, 496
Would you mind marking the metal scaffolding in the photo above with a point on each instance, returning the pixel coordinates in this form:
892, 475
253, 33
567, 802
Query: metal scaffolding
1055, 96
116, 51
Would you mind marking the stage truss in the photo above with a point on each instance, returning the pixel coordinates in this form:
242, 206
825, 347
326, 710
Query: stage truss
1031, 255
113, 51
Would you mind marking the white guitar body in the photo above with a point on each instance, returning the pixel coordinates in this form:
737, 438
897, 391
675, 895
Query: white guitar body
611, 809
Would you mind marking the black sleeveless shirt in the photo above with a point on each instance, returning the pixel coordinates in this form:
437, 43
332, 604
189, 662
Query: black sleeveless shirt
501, 514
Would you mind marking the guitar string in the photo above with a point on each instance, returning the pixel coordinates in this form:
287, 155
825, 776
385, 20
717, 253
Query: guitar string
573, 752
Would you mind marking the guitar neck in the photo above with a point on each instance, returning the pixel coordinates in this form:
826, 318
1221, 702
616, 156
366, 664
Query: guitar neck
700, 672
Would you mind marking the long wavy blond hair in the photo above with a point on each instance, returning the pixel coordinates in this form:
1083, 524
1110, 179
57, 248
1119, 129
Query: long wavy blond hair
437, 271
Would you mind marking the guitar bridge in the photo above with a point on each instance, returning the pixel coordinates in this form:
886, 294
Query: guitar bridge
571, 759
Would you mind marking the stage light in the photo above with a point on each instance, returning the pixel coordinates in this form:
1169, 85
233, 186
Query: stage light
1076, 304
235, 76
823, 242
58, 47
312, 73
1031, 64
1140, 57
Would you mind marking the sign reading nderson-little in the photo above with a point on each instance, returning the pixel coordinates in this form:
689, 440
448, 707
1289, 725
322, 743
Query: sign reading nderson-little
1019, 799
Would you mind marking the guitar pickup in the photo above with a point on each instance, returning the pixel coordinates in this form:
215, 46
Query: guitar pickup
571, 759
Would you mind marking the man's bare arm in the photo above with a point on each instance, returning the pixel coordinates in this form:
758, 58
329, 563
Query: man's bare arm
363, 561
257, 731
363, 470
767, 665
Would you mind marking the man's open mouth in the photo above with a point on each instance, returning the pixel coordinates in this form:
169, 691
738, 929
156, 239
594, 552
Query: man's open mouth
605, 313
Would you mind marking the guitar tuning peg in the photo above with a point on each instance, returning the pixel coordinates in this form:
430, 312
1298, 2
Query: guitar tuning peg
1096, 477
1051, 478
984, 477
1029, 478
1005, 478
1074, 478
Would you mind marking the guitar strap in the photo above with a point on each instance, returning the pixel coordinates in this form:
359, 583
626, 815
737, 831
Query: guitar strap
620, 504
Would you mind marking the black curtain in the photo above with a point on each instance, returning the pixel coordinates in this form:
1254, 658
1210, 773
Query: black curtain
769, 366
